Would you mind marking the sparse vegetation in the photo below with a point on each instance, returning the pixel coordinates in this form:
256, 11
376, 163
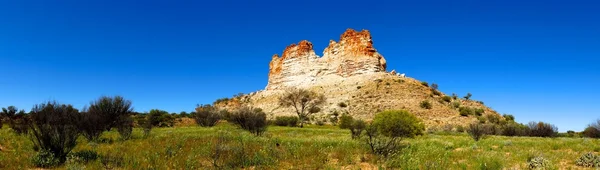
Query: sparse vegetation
539, 163
342, 105
304, 103
592, 130
425, 84
588, 160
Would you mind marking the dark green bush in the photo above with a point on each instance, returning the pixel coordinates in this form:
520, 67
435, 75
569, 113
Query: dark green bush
509, 118
104, 114
447, 99
466, 111
425, 104
588, 160
476, 131
291, 121
16, 120
207, 116
514, 129
250, 119
54, 128
456, 104
345, 121
45, 159
541, 129
342, 105
478, 111
425, 84
160, 118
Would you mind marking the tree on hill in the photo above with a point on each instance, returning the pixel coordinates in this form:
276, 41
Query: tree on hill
468, 96
304, 102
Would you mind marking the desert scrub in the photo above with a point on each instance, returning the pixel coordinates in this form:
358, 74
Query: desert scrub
426, 104
539, 163
588, 160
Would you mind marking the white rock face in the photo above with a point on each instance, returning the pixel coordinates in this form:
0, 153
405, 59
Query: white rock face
299, 66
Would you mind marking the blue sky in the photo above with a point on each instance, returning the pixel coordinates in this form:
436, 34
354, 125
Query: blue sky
537, 60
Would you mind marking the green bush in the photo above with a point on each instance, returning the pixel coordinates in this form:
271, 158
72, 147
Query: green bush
509, 118
160, 118
16, 120
456, 104
514, 129
588, 160
425, 84
342, 105
207, 116
398, 123
425, 104
45, 159
466, 111
388, 128
291, 121
539, 163
345, 121
476, 131
250, 119
447, 99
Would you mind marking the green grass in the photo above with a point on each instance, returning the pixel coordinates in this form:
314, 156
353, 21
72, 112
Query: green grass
312, 147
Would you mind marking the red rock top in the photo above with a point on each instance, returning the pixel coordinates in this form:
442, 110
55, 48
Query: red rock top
353, 54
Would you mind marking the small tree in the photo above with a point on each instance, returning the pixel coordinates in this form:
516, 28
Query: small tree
346, 121
357, 127
454, 96
509, 118
468, 96
434, 86
250, 119
592, 130
207, 115
304, 102
104, 114
54, 128
390, 127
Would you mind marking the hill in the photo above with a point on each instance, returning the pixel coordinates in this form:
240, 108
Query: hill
353, 77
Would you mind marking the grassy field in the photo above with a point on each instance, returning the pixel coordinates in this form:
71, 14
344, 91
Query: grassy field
312, 147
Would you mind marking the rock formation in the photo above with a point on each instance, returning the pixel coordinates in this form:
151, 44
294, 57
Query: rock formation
299, 66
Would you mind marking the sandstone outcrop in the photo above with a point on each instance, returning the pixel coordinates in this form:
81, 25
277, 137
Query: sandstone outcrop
300, 66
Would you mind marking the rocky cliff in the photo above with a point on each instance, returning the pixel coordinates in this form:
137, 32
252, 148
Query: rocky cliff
299, 66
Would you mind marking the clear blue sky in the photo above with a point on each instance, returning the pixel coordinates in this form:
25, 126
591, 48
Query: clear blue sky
537, 60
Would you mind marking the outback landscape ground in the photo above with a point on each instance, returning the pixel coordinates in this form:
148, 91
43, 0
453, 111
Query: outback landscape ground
312, 147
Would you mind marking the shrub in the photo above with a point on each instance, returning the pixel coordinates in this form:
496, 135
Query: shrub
466, 111
425, 104
357, 127
591, 132
539, 163
514, 129
588, 160
345, 121
454, 96
160, 118
54, 128
207, 116
509, 118
334, 117
434, 86
456, 104
493, 118
388, 128
460, 129
342, 105
476, 131
45, 159
125, 127
425, 84
84, 156
320, 122
447, 99
253, 120
106, 113
541, 129
291, 121
17, 120
478, 111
